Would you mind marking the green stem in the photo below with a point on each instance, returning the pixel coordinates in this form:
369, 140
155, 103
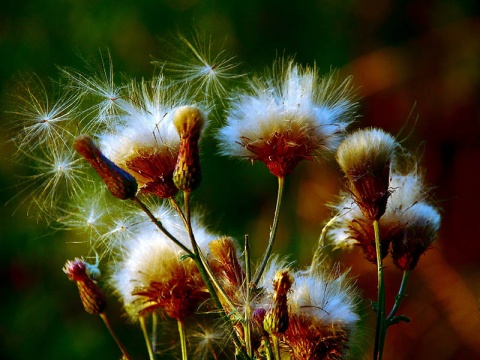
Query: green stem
160, 225
273, 231
151, 354
154, 331
114, 336
248, 309
268, 348
380, 331
183, 338
400, 296
319, 254
208, 276
276, 347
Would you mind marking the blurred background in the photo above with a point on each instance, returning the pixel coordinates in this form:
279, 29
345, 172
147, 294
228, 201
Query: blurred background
410, 60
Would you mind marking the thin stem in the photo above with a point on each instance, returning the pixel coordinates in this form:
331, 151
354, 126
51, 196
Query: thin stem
151, 354
268, 348
154, 331
208, 276
183, 338
276, 347
273, 231
177, 208
319, 254
114, 336
160, 225
400, 296
381, 326
248, 309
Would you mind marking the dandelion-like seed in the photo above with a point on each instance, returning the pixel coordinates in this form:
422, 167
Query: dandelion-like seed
204, 69
58, 175
86, 214
41, 120
98, 83
290, 116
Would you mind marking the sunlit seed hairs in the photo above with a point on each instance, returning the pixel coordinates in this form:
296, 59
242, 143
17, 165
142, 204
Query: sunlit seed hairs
42, 118
290, 115
365, 157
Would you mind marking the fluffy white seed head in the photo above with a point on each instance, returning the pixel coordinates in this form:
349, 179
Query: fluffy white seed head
149, 257
364, 151
291, 113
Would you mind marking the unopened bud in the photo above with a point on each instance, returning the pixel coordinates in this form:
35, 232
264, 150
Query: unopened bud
120, 183
277, 319
92, 296
188, 121
226, 261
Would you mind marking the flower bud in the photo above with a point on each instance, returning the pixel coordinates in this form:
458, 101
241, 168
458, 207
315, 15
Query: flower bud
92, 296
120, 183
365, 158
188, 121
276, 319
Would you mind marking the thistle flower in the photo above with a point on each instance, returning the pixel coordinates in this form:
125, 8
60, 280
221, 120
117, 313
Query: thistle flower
365, 158
405, 213
145, 142
151, 273
290, 116
322, 316
92, 296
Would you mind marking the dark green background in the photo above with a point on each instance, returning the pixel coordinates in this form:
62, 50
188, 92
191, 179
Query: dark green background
401, 53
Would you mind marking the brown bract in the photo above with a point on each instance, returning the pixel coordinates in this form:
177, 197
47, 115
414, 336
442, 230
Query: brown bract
309, 339
178, 295
281, 151
154, 171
